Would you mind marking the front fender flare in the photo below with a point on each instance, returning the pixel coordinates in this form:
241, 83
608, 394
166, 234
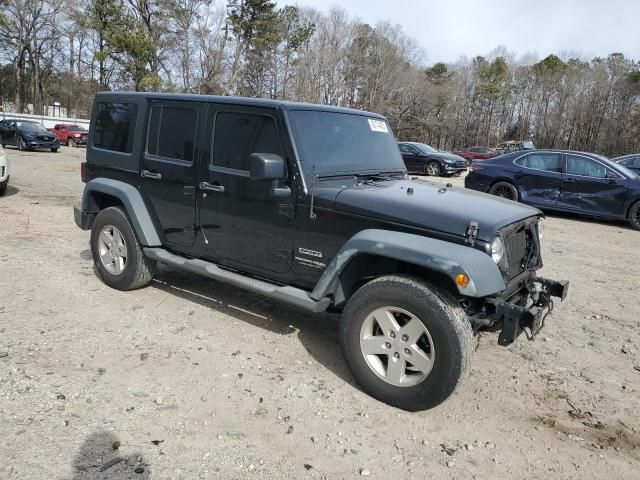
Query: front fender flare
133, 203
448, 258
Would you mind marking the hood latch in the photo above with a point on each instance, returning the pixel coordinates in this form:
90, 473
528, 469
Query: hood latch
472, 233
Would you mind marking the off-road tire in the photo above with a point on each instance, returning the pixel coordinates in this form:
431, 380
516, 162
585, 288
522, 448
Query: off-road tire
445, 321
505, 190
139, 270
634, 216
435, 166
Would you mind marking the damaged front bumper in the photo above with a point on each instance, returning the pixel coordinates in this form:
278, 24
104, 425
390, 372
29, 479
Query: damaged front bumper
525, 311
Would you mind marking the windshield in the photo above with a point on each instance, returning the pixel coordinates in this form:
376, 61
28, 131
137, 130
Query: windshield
31, 126
424, 148
625, 170
75, 128
336, 143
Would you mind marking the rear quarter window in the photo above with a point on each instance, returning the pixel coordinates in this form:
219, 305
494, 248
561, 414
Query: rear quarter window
115, 127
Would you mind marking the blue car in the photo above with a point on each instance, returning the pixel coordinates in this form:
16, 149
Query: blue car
567, 181
632, 162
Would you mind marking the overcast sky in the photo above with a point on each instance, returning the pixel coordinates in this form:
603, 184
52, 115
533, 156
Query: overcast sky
449, 29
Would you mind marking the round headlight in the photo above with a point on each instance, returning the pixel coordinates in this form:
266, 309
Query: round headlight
541, 228
497, 250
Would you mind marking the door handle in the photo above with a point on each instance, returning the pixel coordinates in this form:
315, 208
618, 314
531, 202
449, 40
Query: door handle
570, 180
211, 188
151, 175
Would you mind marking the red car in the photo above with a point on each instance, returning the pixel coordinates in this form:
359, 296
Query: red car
476, 153
69, 134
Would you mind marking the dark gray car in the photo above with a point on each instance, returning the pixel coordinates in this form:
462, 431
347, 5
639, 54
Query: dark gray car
423, 159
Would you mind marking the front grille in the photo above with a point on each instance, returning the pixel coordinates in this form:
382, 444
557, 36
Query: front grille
45, 138
517, 254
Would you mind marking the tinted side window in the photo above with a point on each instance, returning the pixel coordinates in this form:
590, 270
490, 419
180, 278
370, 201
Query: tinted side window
585, 167
115, 126
405, 149
172, 132
549, 162
238, 135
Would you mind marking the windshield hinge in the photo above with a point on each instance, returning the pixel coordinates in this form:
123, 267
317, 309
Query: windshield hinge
472, 233
314, 179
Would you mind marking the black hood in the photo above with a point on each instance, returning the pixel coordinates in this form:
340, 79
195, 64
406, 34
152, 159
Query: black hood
444, 156
32, 133
432, 206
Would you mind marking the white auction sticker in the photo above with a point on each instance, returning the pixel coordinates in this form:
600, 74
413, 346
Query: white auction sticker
378, 126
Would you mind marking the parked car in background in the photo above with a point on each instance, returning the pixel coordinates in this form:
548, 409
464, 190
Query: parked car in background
568, 181
514, 146
423, 159
27, 135
4, 171
72, 135
632, 162
476, 153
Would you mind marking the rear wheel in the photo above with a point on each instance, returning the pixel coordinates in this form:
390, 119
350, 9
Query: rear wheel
117, 253
634, 216
406, 342
432, 169
504, 190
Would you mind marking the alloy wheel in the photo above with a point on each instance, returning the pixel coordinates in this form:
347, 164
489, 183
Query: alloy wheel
433, 169
397, 346
504, 191
112, 249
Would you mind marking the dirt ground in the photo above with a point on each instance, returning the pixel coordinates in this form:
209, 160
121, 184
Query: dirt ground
190, 378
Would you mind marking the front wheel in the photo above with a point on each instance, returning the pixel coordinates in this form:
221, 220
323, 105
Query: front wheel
634, 216
432, 169
72, 143
21, 145
117, 253
406, 342
54, 150
504, 190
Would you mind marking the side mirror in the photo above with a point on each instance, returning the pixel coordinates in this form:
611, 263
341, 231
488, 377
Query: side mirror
266, 166
611, 176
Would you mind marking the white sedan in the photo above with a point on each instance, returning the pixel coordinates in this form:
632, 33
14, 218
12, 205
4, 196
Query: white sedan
4, 171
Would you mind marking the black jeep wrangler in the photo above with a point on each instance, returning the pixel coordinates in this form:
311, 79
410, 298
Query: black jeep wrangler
311, 205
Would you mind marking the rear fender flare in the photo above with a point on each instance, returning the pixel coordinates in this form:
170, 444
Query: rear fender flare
133, 203
447, 258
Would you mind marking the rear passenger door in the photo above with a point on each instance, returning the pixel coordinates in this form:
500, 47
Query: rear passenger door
539, 178
245, 225
169, 168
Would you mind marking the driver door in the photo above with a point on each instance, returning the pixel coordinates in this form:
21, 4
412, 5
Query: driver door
411, 158
591, 187
245, 225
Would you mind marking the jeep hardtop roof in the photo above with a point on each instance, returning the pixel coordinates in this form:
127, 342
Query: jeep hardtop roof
253, 102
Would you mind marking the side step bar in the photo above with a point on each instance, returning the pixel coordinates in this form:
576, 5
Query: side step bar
290, 295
